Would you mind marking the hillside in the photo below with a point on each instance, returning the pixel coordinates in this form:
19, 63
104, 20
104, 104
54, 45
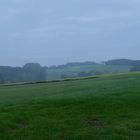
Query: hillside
87, 70
92, 68
103, 108
35, 72
123, 62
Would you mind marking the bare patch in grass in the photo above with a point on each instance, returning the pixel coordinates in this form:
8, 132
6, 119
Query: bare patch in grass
94, 122
13, 127
62, 137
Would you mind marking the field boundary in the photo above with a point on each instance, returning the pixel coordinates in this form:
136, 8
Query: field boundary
50, 81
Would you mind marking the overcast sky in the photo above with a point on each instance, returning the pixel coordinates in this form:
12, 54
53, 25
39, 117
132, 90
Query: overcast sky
59, 31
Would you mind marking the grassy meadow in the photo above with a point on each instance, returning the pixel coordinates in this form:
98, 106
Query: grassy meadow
103, 108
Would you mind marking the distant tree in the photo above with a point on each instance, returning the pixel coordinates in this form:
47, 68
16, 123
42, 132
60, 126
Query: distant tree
1, 79
33, 72
74, 64
125, 62
53, 67
29, 72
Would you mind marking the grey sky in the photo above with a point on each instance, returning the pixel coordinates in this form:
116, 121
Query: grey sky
60, 31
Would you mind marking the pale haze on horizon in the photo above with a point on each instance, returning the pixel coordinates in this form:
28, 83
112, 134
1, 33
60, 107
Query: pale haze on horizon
60, 31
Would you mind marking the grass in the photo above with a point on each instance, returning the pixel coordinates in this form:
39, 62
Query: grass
104, 108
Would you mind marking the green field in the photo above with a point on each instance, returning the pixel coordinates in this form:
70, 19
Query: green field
104, 108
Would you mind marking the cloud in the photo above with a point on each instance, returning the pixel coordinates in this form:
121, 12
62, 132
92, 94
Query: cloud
80, 19
61, 25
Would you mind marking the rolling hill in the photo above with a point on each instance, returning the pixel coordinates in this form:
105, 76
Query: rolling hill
57, 72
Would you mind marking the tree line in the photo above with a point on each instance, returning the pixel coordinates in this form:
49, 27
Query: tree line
29, 72
35, 72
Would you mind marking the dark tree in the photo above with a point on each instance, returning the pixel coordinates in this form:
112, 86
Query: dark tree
1, 79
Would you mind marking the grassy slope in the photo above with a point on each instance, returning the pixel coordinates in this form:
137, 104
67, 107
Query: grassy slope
56, 73
106, 108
